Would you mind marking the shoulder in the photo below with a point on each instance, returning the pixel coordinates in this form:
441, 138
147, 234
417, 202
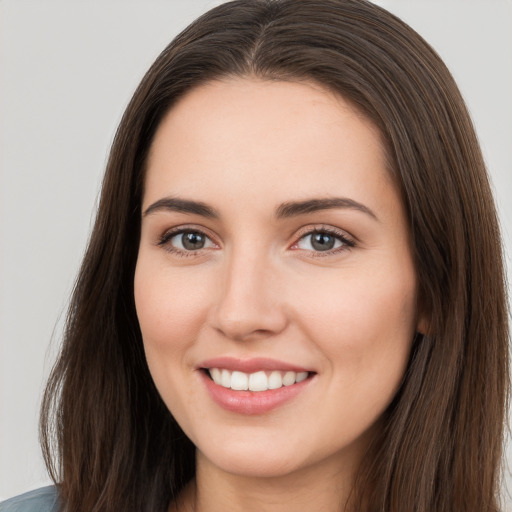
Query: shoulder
45, 499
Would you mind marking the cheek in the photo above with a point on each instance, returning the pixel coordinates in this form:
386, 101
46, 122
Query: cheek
170, 307
365, 324
364, 329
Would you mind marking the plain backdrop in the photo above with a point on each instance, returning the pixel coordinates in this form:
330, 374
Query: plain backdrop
67, 71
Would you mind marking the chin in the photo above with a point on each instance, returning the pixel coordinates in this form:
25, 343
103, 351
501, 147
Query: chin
247, 459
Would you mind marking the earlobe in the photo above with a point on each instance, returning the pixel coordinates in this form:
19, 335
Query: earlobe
423, 315
423, 324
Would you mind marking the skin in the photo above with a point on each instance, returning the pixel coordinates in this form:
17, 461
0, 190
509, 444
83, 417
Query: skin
259, 288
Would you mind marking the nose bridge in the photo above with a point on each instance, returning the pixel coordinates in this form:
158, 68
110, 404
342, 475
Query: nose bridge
248, 303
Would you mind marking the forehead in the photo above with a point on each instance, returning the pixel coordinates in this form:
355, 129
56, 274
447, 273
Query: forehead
265, 140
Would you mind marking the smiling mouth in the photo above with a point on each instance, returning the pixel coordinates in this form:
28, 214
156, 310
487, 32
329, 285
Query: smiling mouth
257, 381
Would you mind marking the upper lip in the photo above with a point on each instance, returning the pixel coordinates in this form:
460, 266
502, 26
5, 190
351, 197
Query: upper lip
251, 365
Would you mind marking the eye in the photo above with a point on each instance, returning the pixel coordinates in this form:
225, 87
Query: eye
324, 240
185, 240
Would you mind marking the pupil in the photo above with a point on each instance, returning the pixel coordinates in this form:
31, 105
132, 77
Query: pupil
192, 241
322, 242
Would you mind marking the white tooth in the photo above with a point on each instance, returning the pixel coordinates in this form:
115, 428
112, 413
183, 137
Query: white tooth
258, 381
289, 378
225, 378
275, 381
301, 376
215, 374
239, 381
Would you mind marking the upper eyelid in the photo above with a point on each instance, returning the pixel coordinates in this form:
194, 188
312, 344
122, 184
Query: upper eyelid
169, 233
332, 230
302, 231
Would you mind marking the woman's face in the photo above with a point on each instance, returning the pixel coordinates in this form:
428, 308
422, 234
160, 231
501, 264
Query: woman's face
274, 255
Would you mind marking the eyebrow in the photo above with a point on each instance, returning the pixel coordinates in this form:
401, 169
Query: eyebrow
294, 208
284, 211
177, 204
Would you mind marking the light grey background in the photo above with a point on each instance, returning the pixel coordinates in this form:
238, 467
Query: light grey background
67, 71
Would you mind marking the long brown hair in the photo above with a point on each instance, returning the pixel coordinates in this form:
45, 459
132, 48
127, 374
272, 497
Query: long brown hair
107, 437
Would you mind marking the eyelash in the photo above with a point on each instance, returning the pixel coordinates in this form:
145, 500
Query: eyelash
347, 243
168, 235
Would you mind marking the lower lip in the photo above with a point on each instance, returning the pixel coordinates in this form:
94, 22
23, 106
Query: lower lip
252, 402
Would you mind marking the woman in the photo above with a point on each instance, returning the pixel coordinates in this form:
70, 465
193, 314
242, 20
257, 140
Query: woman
293, 296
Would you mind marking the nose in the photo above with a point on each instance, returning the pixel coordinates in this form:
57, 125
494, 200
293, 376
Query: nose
249, 304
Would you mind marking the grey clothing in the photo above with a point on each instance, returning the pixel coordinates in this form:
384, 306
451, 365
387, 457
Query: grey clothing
45, 499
